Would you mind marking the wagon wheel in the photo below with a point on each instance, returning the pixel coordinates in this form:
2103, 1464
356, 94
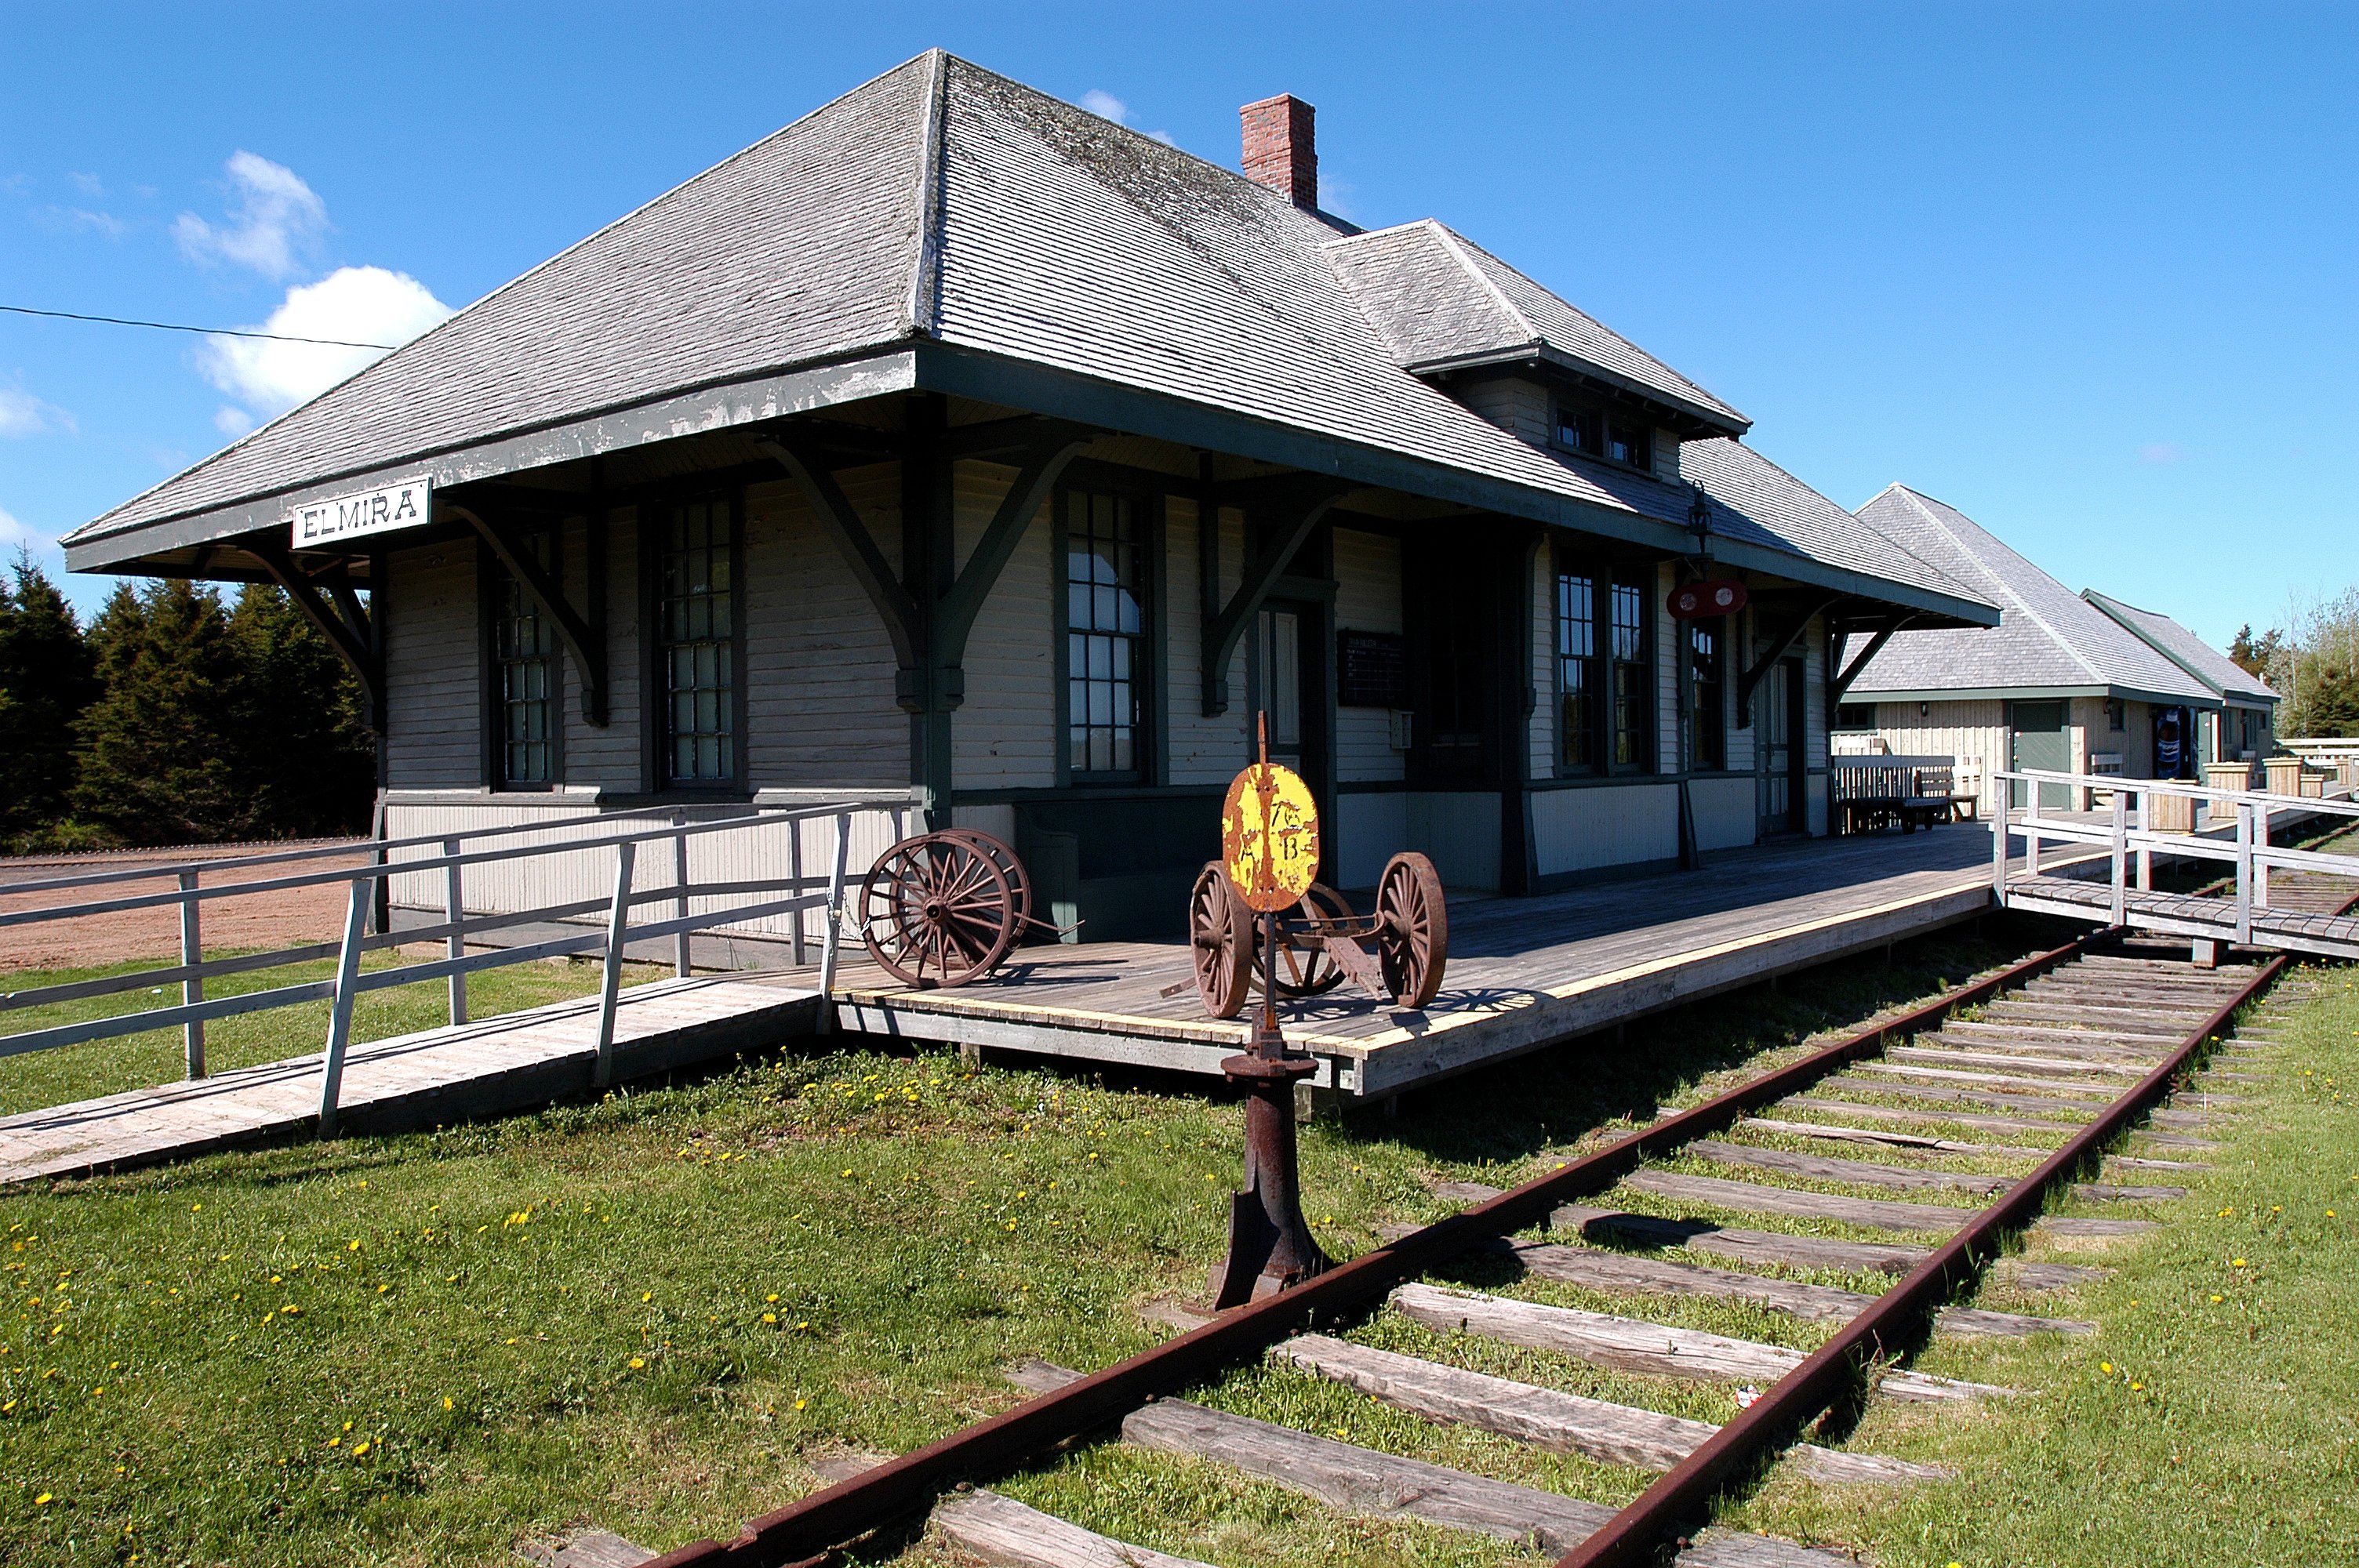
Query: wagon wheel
937, 911
1018, 879
1305, 968
1220, 941
1412, 929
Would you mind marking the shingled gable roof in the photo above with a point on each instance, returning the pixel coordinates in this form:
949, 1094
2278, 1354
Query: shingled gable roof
2188, 652
2049, 642
1442, 302
943, 227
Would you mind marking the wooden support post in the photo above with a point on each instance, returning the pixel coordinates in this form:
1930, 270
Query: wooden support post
681, 963
2031, 830
2205, 953
832, 935
1998, 852
2243, 870
2261, 868
610, 985
192, 987
454, 911
340, 1017
2145, 852
2121, 857
794, 878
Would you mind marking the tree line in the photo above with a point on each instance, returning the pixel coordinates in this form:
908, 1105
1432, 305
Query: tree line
175, 716
2312, 663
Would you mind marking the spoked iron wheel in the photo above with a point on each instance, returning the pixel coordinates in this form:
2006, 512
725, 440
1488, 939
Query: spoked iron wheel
1304, 965
1018, 879
938, 911
1220, 941
1412, 929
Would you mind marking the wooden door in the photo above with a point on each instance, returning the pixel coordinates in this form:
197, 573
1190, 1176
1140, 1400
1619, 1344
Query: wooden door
1781, 726
2040, 736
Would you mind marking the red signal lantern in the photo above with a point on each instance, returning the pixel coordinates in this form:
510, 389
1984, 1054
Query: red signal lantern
1721, 596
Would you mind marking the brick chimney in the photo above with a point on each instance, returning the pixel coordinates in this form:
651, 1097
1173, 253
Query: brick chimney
1281, 150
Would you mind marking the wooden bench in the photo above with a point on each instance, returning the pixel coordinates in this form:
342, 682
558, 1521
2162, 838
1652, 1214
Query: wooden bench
1869, 793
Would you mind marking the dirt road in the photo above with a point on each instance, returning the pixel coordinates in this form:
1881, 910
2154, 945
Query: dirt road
267, 920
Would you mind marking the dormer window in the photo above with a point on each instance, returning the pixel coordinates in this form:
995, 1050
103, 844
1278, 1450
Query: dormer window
1627, 441
1587, 428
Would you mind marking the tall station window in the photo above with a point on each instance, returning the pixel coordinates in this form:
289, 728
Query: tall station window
1632, 698
1106, 634
1707, 700
696, 623
525, 693
1578, 679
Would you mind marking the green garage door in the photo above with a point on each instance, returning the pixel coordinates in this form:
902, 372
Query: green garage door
2042, 740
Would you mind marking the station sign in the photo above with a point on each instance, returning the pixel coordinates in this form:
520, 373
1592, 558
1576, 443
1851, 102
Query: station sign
406, 504
1723, 596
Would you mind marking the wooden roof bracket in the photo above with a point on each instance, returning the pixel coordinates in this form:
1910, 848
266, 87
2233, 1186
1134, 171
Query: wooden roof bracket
1840, 683
929, 649
1223, 633
1761, 666
584, 637
336, 612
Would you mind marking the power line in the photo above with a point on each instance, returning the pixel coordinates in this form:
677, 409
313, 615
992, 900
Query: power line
203, 331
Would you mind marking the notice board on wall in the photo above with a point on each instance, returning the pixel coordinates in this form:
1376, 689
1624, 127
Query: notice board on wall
1370, 669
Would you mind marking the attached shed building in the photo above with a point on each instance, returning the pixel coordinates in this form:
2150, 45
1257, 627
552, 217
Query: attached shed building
2060, 684
956, 442
2245, 727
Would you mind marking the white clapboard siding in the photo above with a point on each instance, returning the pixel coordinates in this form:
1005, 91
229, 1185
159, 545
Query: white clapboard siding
1727, 812
819, 707
1668, 649
1604, 825
612, 757
434, 683
1975, 733
1201, 751
764, 852
1367, 599
1666, 455
1004, 733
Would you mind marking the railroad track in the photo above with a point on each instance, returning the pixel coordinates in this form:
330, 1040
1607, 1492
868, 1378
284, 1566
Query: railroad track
1930, 1112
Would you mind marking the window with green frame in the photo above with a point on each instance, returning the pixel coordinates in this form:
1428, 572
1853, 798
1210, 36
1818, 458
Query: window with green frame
523, 672
696, 641
1106, 634
1707, 700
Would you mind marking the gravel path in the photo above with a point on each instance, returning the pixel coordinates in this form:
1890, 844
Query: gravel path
272, 920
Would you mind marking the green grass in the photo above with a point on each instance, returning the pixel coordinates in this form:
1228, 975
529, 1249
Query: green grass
516, 1269
471, 1302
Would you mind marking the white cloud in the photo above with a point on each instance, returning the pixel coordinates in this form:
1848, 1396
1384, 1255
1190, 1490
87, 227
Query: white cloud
352, 304
14, 534
1106, 106
72, 220
277, 218
88, 184
231, 421
22, 414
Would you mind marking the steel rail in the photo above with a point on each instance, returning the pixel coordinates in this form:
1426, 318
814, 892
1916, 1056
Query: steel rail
834, 1516
1682, 1495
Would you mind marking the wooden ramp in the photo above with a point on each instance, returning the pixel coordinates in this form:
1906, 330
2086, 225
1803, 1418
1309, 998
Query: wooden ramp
2297, 919
1523, 972
480, 1068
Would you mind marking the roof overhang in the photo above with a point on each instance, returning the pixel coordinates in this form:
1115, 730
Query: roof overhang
932, 366
2032, 694
1694, 417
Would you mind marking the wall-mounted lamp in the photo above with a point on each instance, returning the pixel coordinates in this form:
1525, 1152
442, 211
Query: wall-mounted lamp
1700, 519
1924, 711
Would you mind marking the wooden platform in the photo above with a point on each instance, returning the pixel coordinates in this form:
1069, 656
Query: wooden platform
481, 1068
1523, 972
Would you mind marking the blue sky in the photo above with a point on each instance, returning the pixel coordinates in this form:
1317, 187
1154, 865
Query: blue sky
2087, 272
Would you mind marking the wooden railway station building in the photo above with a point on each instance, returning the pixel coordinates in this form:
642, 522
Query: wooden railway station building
955, 442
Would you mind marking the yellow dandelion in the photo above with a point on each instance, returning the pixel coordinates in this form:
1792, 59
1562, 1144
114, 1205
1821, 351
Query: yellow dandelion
360, 1448
2107, 1368
446, 1402
769, 1317
44, 1500
799, 1404
637, 1362
2236, 1263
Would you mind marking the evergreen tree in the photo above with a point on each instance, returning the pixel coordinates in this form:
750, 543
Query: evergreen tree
46, 682
308, 767
160, 753
2253, 655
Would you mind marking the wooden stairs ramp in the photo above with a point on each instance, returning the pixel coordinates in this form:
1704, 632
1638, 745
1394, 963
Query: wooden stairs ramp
482, 1067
